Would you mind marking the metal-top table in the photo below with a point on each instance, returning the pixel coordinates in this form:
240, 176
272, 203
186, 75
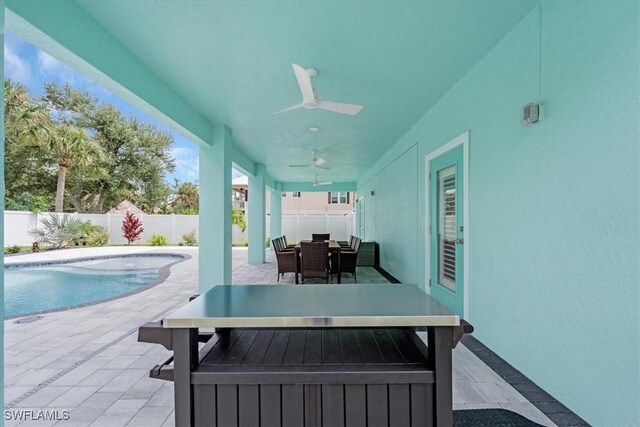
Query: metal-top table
277, 306
324, 347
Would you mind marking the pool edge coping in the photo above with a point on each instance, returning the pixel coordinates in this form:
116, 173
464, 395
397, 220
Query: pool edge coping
163, 274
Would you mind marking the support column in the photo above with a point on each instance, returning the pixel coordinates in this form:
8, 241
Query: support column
275, 229
2, 200
256, 217
215, 210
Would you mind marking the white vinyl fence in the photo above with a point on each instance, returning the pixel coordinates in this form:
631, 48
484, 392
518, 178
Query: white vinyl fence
295, 226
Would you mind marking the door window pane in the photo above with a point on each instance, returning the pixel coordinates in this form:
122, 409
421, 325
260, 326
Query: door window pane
447, 227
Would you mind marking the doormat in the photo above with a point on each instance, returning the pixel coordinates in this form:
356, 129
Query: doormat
490, 418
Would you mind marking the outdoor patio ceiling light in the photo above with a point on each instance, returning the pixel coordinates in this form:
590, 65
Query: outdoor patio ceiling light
314, 129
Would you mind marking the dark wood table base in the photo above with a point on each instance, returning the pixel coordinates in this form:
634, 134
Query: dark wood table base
314, 377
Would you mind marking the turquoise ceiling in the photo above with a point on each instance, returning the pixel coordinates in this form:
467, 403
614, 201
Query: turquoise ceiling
232, 62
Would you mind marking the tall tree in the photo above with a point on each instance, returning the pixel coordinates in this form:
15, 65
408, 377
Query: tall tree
66, 103
137, 154
28, 175
138, 158
70, 147
187, 198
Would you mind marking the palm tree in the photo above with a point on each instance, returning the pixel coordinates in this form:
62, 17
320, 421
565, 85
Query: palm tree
70, 146
24, 119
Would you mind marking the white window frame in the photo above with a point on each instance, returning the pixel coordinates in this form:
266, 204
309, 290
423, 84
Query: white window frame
338, 197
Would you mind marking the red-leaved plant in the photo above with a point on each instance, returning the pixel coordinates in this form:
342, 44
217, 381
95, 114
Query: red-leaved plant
131, 228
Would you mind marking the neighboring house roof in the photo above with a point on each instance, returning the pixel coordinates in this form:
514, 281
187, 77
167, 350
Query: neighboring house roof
241, 181
124, 207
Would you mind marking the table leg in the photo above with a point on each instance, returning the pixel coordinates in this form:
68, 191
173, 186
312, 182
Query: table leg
185, 353
440, 347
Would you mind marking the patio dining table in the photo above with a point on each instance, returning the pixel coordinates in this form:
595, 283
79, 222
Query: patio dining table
317, 355
334, 248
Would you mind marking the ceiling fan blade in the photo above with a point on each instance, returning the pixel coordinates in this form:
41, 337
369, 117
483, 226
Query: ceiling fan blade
315, 184
288, 109
338, 107
320, 167
318, 161
298, 166
304, 81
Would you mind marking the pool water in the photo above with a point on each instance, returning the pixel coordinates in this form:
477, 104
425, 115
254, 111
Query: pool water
32, 289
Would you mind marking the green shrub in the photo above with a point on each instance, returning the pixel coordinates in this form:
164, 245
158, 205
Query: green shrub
97, 237
13, 249
189, 239
92, 235
237, 218
58, 231
158, 240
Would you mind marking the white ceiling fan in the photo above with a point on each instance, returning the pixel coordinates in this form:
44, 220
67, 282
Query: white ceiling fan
309, 99
316, 183
317, 162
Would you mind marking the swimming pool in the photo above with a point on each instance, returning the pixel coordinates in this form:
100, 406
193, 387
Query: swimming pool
43, 287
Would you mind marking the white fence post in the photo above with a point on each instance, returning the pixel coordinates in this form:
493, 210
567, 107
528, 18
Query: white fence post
173, 228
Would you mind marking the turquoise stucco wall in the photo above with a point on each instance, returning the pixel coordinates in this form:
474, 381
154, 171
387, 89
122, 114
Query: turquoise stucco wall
554, 233
2, 204
394, 195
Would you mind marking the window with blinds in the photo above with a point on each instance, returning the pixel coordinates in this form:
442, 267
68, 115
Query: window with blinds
447, 227
338, 197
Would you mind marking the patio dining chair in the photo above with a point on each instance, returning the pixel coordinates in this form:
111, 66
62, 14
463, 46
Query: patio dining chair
283, 246
320, 237
314, 260
285, 259
287, 245
349, 259
352, 243
345, 244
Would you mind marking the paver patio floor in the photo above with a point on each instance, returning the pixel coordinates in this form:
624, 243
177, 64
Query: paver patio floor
87, 361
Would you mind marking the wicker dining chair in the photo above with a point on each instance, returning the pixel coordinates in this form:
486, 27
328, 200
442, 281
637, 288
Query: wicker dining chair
349, 259
285, 259
320, 237
282, 244
352, 243
314, 260
345, 244
287, 245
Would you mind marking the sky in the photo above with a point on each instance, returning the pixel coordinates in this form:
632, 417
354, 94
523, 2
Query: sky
32, 67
